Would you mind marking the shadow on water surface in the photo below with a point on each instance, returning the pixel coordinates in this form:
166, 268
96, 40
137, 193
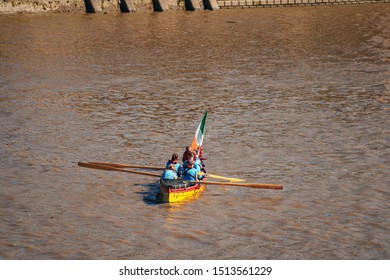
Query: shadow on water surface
152, 195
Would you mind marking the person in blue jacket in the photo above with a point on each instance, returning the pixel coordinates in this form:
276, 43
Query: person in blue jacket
197, 164
191, 174
170, 173
174, 160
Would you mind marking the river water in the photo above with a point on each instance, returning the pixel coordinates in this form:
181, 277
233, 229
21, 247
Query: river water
296, 96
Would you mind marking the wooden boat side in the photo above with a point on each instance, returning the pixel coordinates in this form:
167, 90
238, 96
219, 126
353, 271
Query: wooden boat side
181, 194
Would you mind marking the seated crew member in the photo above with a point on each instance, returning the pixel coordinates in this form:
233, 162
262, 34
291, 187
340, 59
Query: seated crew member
170, 173
173, 160
197, 164
191, 174
187, 154
200, 154
199, 160
192, 156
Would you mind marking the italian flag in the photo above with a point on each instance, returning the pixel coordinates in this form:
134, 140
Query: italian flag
199, 134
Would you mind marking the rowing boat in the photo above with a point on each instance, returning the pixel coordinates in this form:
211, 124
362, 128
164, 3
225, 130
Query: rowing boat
180, 190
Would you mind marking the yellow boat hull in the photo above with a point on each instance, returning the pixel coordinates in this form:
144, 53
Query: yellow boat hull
178, 194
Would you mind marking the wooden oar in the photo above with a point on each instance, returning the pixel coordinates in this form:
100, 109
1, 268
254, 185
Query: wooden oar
119, 165
110, 168
248, 185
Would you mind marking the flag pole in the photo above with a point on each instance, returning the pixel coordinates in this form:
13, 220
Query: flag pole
199, 133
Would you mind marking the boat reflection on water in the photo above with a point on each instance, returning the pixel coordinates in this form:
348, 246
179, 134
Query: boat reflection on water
172, 211
175, 210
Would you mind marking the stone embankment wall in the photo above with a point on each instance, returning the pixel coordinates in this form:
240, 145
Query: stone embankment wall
107, 6
228, 4
70, 6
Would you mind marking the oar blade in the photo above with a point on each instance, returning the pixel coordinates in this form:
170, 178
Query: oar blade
247, 185
110, 168
120, 165
225, 178
95, 166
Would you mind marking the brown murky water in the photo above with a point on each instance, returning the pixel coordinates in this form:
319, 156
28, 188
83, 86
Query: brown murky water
296, 96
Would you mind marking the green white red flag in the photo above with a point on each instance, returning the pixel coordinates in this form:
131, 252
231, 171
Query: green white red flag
199, 134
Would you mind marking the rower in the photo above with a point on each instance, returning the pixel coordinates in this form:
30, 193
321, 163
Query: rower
169, 174
173, 161
198, 163
191, 174
187, 154
192, 156
200, 155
